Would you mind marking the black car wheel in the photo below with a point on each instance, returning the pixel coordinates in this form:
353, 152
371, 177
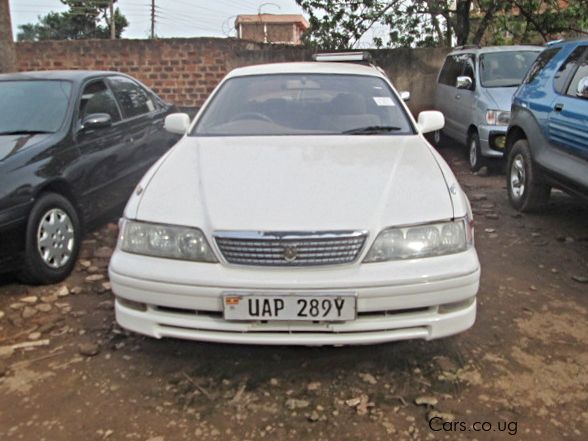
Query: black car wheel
52, 240
475, 158
437, 138
526, 190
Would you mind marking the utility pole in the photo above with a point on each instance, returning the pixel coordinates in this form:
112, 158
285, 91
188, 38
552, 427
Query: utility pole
152, 19
112, 21
7, 52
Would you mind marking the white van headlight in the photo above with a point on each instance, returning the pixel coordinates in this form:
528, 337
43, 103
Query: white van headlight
168, 241
438, 239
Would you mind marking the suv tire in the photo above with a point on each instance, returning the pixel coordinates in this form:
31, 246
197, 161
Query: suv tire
53, 238
438, 138
526, 190
475, 158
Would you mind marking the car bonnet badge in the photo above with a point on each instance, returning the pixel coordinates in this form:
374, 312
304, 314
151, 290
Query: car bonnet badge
290, 254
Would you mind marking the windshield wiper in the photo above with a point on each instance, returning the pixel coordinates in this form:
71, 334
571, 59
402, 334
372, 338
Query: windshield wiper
25, 132
371, 130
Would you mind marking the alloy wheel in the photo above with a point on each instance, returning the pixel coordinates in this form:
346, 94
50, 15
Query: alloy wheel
55, 238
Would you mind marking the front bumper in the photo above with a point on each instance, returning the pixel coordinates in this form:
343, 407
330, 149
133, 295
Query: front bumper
395, 301
488, 137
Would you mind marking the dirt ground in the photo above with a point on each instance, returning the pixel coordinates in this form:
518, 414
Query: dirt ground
519, 373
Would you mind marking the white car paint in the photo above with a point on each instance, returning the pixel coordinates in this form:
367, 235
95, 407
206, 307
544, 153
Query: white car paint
299, 183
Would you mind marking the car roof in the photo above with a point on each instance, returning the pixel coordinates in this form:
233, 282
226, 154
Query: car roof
314, 67
491, 49
65, 75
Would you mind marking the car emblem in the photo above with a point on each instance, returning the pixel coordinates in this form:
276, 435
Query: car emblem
290, 254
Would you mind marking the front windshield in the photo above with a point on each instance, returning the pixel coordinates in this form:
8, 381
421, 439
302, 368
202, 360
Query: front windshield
505, 69
303, 104
33, 106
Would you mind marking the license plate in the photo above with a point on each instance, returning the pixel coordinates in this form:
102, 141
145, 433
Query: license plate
323, 307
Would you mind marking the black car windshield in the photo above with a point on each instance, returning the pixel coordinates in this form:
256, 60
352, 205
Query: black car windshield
37, 106
303, 104
505, 69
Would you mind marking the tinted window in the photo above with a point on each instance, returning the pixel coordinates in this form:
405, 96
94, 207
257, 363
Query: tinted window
566, 69
580, 73
541, 61
37, 106
450, 71
300, 104
133, 99
469, 70
505, 69
97, 98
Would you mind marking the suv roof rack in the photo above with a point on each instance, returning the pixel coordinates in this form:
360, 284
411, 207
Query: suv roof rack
467, 46
552, 42
362, 57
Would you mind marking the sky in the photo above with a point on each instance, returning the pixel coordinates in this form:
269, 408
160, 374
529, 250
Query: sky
176, 18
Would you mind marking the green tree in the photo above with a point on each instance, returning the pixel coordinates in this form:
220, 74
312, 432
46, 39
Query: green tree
84, 19
338, 24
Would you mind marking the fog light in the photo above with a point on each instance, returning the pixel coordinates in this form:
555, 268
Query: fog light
500, 142
456, 306
137, 306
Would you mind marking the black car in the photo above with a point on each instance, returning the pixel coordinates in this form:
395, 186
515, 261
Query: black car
73, 145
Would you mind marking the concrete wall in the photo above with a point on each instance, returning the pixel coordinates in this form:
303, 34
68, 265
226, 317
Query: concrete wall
185, 71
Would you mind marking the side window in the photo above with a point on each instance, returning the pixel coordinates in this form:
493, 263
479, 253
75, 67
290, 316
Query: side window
451, 70
567, 69
582, 72
133, 99
541, 61
97, 98
468, 62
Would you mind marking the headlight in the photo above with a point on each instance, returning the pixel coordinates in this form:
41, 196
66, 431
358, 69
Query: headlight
497, 117
421, 241
169, 241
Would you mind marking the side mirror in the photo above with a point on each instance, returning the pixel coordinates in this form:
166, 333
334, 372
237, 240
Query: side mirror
177, 123
430, 121
582, 90
464, 83
96, 121
405, 95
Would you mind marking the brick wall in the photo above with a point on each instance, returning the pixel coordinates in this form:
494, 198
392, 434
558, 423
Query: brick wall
185, 71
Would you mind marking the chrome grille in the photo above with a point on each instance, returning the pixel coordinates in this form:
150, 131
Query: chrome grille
290, 249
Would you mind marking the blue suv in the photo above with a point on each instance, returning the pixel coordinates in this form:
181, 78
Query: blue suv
547, 138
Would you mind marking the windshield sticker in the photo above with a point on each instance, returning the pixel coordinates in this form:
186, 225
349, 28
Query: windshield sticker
384, 101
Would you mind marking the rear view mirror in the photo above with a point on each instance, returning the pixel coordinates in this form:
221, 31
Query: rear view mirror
177, 123
405, 95
582, 90
464, 83
431, 121
96, 121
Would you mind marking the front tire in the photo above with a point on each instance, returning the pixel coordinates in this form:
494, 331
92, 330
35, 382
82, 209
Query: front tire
52, 241
475, 158
526, 190
438, 138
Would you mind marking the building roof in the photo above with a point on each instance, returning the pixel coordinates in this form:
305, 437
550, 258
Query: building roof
272, 19
306, 68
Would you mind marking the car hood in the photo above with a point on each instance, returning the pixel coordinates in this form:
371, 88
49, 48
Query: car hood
298, 183
12, 144
501, 97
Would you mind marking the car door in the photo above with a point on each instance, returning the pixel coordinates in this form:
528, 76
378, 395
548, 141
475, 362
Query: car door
99, 169
464, 99
143, 122
568, 118
445, 92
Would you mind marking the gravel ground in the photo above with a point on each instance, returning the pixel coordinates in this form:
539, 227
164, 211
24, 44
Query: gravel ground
67, 372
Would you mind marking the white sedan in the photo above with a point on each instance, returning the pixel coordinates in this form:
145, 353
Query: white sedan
303, 206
